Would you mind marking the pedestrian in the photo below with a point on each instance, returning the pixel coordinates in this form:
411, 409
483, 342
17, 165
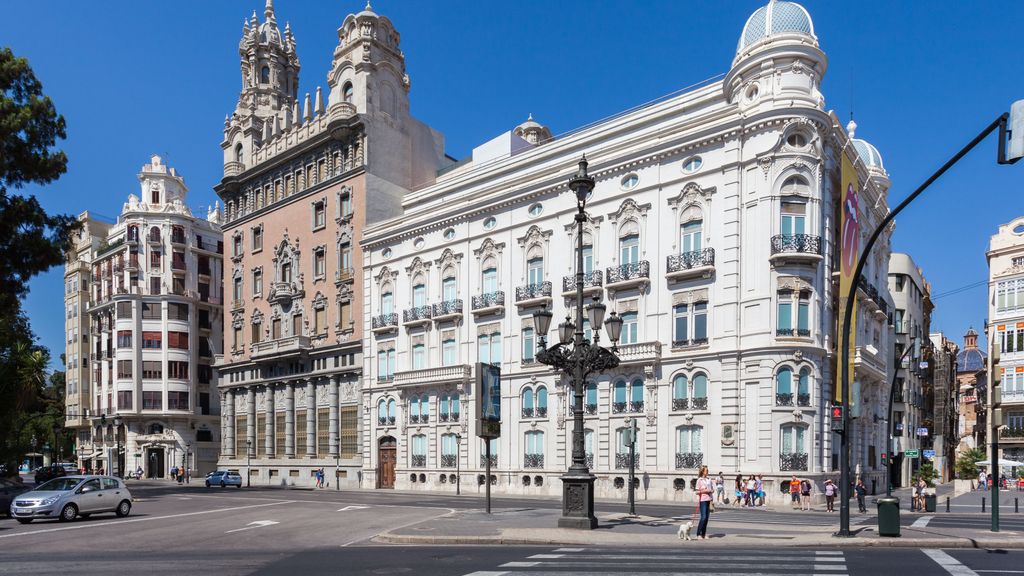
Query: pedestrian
174, 472
862, 491
720, 488
794, 492
918, 503
751, 491
319, 478
805, 494
983, 480
759, 490
739, 489
830, 495
705, 490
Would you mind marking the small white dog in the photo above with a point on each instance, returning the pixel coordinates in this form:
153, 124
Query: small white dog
685, 529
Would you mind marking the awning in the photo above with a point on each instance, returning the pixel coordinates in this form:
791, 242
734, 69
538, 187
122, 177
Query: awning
1002, 463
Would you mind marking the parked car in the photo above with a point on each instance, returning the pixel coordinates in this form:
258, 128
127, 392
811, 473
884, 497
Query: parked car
9, 489
71, 496
69, 467
224, 478
47, 473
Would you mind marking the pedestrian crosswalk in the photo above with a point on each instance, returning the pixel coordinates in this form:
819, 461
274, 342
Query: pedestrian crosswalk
695, 560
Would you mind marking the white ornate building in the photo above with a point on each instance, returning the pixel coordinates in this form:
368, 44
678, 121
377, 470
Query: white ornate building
712, 233
145, 295
1006, 326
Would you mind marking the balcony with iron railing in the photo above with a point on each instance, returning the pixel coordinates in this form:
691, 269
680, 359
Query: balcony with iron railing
533, 460
418, 461
622, 460
689, 460
384, 322
796, 249
592, 283
489, 303
628, 275
790, 399
533, 294
1012, 434
679, 404
386, 420
792, 461
447, 460
493, 459
417, 315
792, 333
691, 343
447, 310
692, 264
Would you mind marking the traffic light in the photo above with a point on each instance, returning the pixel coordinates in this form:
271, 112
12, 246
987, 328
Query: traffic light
837, 418
995, 391
885, 459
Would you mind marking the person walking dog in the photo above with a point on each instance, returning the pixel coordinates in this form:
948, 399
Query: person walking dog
705, 491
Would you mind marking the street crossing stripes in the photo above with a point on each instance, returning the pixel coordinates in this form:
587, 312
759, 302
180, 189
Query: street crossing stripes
693, 560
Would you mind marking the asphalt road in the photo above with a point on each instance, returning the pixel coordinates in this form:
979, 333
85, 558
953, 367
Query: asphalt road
182, 530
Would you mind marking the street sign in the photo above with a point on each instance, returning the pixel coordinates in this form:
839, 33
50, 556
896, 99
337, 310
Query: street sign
487, 407
922, 431
910, 453
929, 453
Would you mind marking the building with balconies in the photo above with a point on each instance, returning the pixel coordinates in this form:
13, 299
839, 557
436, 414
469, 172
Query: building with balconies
711, 233
302, 177
1006, 327
945, 409
971, 375
143, 330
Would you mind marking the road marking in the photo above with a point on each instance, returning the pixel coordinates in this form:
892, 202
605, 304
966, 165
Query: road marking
347, 508
569, 550
518, 564
922, 522
487, 573
545, 556
948, 563
829, 553
147, 519
407, 524
256, 524
1003, 571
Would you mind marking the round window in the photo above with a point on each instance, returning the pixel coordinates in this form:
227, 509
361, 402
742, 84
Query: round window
1018, 229
418, 243
692, 164
386, 253
797, 140
536, 210
490, 222
752, 93
630, 181
449, 234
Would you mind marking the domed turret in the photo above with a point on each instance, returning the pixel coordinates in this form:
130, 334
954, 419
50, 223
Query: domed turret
532, 132
778, 18
871, 157
971, 358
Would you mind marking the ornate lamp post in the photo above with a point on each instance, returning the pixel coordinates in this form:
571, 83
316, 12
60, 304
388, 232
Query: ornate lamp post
337, 464
578, 358
117, 434
188, 461
458, 464
248, 462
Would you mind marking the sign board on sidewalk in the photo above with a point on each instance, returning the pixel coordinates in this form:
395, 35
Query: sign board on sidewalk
929, 453
910, 453
487, 408
922, 431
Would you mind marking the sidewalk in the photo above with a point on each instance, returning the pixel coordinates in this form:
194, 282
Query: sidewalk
539, 527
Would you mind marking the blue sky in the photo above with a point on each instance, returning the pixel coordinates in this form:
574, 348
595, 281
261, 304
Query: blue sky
922, 78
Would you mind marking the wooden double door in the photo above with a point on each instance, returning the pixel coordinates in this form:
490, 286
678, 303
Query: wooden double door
387, 455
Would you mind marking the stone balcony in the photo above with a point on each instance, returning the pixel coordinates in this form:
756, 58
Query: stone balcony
384, 323
281, 347
457, 374
533, 295
489, 303
796, 249
593, 283
233, 168
869, 360
640, 353
284, 292
696, 264
626, 276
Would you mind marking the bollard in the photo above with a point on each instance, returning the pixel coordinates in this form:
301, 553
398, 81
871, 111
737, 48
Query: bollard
1016, 506
947, 504
982, 504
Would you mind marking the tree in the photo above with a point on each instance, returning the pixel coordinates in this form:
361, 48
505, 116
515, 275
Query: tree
967, 463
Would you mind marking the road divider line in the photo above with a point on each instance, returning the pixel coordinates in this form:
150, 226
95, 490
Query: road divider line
146, 519
948, 563
449, 512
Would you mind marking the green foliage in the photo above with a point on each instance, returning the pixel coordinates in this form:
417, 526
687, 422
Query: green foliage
967, 463
928, 472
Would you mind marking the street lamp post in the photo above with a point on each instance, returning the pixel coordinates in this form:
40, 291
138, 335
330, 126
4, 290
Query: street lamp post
578, 362
248, 462
888, 417
337, 464
188, 461
117, 433
458, 464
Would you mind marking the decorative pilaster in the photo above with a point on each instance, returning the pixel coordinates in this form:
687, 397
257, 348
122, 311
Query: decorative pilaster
227, 402
289, 420
332, 395
310, 418
271, 418
250, 422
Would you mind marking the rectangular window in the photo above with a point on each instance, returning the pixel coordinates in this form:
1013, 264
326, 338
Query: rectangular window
124, 310
236, 290
279, 433
323, 423
275, 328
261, 434
257, 282
152, 369
257, 239
319, 264
588, 259
346, 205
297, 325
177, 401
152, 400
419, 295
124, 369
236, 245
629, 249
177, 370
448, 352
319, 215
700, 322
152, 340
419, 357
124, 400
177, 311
535, 271
124, 338
344, 315
320, 321
785, 313
300, 433
690, 236
348, 425
490, 280
448, 289
177, 340
793, 218
154, 259
528, 345
681, 320
803, 315
151, 311
241, 435
630, 328
237, 343
257, 332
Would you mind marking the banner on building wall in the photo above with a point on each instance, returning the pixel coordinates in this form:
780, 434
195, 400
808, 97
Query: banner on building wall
849, 242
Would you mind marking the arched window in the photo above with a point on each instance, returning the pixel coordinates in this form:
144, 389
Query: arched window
414, 409
700, 392
265, 75
803, 390
691, 231
238, 152
590, 402
795, 185
680, 393
689, 447
346, 92
154, 234
619, 397
793, 449
636, 396
387, 301
419, 451
784, 387
528, 403
542, 402
449, 450
489, 278
382, 412
133, 233
533, 456
156, 428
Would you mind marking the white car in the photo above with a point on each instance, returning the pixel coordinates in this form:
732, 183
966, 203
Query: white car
68, 497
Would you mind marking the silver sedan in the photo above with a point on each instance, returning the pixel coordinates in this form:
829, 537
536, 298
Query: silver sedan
68, 497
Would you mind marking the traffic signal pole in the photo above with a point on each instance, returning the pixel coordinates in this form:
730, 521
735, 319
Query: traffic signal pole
888, 419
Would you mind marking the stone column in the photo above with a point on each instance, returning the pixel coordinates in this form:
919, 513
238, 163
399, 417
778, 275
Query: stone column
332, 394
227, 441
270, 444
289, 420
250, 423
310, 418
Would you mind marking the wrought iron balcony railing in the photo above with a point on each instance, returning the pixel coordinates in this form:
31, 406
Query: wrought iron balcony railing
680, 403
689, 343
448, 308
619, 407
527, 412
590, 460
796, 243
803, 399
622, 460
494, 461
590, 280
1011, 432
783, 399
689, 260
792, 461
590, 408
631, 271
700, 403
533, 460
447, 460
636, 406
533, 291
542, 412
417, 313
489, 300
419, 460
384, 321
689, 460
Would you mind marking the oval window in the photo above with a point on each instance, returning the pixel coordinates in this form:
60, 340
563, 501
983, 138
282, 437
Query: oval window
536, 210
490, 222
1018, 229
630, 181
692, 164
418, 243
797, 140
386, 253
752, 93
449, 234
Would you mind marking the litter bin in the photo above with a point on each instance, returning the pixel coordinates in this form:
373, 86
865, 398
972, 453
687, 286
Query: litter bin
929, 502
888, 516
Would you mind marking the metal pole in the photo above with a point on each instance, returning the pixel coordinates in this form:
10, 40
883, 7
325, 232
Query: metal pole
995, 483
248, 463
844, 352
337, 465
487, 471
632, 466
458, 465
579, 458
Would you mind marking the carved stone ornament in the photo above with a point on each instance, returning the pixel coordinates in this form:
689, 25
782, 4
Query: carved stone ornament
765, 163
798, 355
728, 437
